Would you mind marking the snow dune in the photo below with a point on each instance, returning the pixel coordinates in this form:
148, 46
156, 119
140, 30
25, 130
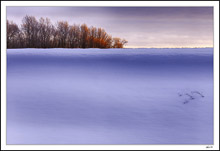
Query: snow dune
110, 96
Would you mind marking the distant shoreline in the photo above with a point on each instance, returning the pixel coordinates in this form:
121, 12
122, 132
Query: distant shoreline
122, 48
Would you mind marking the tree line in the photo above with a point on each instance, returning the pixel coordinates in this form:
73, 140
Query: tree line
42, 33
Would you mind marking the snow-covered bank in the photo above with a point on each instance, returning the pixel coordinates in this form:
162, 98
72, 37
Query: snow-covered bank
113, 96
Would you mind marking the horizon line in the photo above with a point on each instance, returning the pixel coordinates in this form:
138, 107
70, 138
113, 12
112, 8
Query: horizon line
119, 48
166, 47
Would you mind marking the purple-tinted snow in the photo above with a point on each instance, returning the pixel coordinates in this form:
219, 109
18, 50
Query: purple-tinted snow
113, 96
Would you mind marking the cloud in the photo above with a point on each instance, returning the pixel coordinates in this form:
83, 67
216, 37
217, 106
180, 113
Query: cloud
154, 26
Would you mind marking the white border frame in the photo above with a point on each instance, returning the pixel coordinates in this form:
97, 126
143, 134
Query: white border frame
214, 4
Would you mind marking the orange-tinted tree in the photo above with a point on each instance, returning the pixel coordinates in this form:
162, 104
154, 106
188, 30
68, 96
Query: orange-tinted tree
43, 34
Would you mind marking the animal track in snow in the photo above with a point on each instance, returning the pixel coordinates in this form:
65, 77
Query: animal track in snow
192, 95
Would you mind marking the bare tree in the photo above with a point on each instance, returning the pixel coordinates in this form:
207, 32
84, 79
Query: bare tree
118, 43
63, 30
74, 36
43, 34
46, 30
84, 36
30, 28
12, 33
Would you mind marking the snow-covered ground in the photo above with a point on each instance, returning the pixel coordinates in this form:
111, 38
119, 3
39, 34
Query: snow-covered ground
110, 96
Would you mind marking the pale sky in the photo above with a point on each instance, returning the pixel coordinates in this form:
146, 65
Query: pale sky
142, 27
